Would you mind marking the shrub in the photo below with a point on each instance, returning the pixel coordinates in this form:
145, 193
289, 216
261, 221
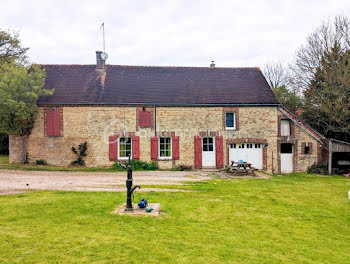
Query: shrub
136, 165
80, 152
318, 168
338, 171
41, 162
322, 168
119, 166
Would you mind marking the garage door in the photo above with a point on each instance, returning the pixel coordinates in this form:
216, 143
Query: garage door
248, 152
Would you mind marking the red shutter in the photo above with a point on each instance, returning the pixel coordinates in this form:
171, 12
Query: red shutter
197, 152
56, 123
154, 148
176, 148
49, 123
136, 147
219, 152
145, 119
53, 123
303, 145
113, 148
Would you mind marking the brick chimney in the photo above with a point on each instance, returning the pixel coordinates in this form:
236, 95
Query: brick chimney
212, 65
299, 111
100, 63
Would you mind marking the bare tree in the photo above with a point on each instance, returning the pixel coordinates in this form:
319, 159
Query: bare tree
308, 58
276, 74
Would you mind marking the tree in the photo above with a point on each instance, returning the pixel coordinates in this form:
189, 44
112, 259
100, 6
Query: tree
10, 48
289, 99
20, 88
21, 85
278, 77
309, 57
276, 74
327, 98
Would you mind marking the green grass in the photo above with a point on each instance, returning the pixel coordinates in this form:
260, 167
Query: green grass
298, 218
4, 160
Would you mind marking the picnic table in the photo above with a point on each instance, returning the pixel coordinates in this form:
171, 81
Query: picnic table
242, 168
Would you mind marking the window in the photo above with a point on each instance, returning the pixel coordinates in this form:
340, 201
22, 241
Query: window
285, 128
286, 148
165, 148
208, 144
230, 121
306, 150
124, 147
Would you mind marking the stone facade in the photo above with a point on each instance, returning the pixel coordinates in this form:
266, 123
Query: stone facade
95, 124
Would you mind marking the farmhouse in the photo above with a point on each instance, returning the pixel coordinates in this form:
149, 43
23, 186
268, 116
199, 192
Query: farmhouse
202, 117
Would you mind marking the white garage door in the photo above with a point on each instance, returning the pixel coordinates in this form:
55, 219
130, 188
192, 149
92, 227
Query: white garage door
248, 152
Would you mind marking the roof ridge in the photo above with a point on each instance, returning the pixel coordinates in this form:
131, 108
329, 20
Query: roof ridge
154, 66
55, 64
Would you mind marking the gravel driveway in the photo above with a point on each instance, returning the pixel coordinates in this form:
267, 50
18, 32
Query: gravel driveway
17, 181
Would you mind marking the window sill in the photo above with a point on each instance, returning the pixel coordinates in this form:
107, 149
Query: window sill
123, 158
230, 128
165, 159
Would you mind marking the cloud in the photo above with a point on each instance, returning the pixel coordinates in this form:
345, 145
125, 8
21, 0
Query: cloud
165, 32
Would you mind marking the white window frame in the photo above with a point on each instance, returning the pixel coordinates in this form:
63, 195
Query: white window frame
171, 149
124, 158
208, 144
234, 121
285, 121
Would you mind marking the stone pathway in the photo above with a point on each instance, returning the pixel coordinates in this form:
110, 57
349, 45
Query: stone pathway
17, 181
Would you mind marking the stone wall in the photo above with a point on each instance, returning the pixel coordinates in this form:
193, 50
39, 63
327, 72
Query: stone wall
16, 148
305, 160
95, 124
298, 138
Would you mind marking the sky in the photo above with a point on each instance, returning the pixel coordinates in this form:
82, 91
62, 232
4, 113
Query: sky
233, 33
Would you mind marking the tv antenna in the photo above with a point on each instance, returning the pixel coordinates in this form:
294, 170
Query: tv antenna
104, 55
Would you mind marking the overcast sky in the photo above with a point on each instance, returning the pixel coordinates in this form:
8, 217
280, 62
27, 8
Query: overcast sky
166, 32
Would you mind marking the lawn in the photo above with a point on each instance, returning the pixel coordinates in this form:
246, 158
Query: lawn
298, 218
4, 160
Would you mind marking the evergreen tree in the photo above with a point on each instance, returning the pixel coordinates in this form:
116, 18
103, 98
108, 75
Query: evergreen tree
327, 98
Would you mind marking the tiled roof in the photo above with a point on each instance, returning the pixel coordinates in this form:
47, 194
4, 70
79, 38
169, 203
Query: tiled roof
82, 84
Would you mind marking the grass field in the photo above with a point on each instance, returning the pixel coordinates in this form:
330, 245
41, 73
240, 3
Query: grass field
298, 218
